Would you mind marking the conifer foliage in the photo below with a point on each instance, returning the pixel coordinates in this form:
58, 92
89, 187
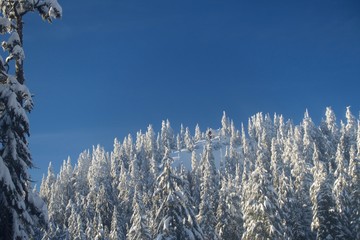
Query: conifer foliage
275, 181
21, 209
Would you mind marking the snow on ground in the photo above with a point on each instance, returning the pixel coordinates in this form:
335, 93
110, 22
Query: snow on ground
183, 157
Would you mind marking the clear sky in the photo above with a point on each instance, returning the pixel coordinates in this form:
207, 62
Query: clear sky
111, 67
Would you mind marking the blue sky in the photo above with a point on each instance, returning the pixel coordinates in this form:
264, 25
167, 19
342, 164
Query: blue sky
111, 67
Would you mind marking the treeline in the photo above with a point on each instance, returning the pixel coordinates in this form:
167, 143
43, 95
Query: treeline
276, 180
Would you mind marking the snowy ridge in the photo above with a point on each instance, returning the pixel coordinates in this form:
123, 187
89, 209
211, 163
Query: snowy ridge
276, 180
183, 157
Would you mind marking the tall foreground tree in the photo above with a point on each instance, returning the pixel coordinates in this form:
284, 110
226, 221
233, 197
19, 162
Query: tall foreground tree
20, 209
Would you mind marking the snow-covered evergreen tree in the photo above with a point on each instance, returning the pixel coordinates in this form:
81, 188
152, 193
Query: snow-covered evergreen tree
75, 225
100, 197
188, 140
116, 230
289, 208
81, 184
150, 143
174, 217
115, 164
195, 180
341, 191
261, 210
100, 232
354, 174
167, 135
309, 138
276, 164
228, 214
19, 210
326, 223
139, 229
197, 136
329, 136
302, 180
62, 192
225, 126
208, 194
47, 183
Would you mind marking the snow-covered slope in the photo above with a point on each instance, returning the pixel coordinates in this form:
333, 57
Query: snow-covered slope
183, 157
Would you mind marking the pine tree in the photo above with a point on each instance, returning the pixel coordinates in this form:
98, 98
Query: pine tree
309, 137
232, 160
261, 212
174, 218
81, 185
100, 200
104, 205
167, 135
100, 231
289, 208
19, 212
189, 143
62, 192
124, 197
197, 136
115, 159
354, 174
228, 214
208, 194
341, 191
326, 223
179, 143
116, 230
330, 136
234, 135
302, 180
225, 126
139, 229
195, 180
350, 130
75, 225
150, 143
46, 184
276, 164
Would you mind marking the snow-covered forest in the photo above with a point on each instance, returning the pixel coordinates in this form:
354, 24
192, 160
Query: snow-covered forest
270, 180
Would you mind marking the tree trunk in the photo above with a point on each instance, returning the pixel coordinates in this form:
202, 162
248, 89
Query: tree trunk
19, 65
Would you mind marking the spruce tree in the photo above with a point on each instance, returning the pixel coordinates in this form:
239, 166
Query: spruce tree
228, 214
326, 223
261, 212
139, 229
115, 158
174, 218
208, 194
341, 191
116, 230
47, 183
354, 174
195, 180
19, 211
75, 225
188, 140
197, 136
302, 180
